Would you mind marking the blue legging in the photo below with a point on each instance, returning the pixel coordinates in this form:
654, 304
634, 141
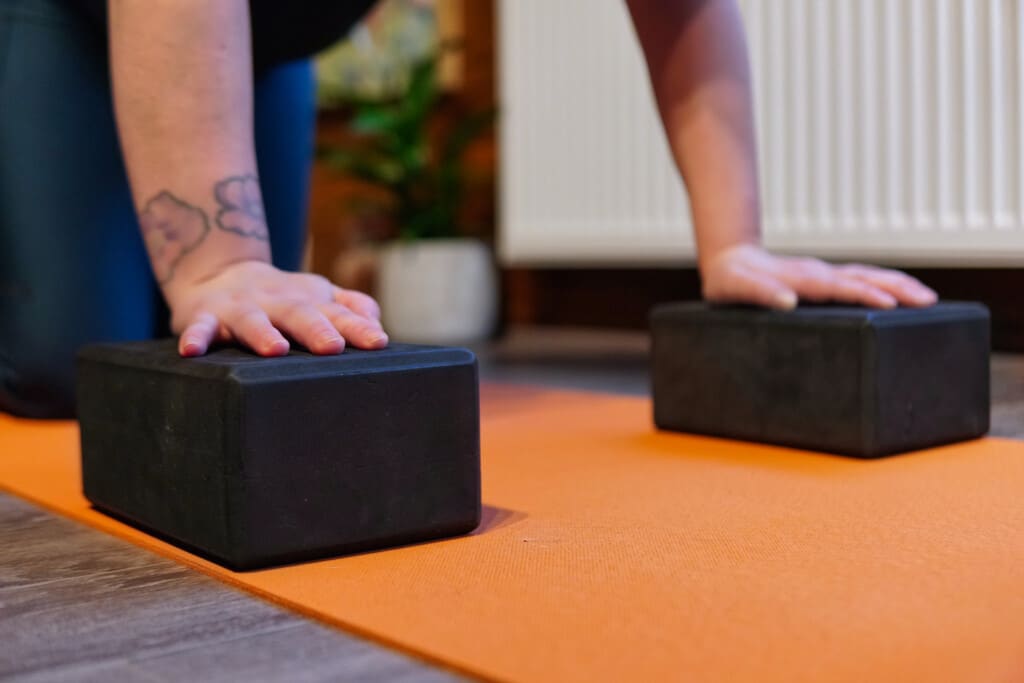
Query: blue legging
73, 268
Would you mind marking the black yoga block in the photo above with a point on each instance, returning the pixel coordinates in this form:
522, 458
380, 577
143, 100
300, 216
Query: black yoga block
262, 461
846, 380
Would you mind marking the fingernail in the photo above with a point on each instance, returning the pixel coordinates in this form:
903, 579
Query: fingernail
278, 346
785, 300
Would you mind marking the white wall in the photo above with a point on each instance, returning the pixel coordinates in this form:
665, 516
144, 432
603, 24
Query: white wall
889, 130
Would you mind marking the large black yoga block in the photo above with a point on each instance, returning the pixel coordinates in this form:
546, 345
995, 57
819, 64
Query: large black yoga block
847, 380
259, 461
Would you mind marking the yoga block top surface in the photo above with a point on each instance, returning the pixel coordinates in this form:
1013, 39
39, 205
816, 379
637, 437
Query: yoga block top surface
256, 461
162, 355
819, 315
842, 379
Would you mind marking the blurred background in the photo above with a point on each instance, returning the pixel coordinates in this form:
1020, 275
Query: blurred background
492, 166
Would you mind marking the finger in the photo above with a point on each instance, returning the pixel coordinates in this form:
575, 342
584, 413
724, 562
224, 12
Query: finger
849, 289
357, 302
819, 281
740, 285
251, 326
196, 338
908, 290
903, 289
308, 326
364, 333
811, 279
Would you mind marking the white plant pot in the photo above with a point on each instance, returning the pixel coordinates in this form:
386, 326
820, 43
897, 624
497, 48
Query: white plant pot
441, 291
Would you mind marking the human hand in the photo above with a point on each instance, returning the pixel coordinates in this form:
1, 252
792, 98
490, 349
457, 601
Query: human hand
749, 274
256, 305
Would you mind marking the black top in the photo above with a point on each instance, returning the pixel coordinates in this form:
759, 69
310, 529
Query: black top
281, 31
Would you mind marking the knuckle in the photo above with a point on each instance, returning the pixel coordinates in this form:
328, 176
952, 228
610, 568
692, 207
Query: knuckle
251, 316
289, 307
366, 299
315, 282
807, 262
314, 278
341, 315
859, 289
306, 316
812, 282
204, 318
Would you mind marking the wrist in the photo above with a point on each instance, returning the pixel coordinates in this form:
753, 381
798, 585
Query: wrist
208, 270
190, 243
723, 222
711, 253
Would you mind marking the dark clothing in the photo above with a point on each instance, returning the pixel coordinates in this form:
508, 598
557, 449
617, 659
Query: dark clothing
282, 30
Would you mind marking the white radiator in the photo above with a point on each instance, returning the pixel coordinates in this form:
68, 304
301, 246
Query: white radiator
889, 130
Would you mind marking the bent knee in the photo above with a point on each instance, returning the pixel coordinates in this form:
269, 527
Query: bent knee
32, 385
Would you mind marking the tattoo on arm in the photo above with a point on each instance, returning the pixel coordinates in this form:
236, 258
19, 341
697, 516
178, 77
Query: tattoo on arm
241, 207
171, 229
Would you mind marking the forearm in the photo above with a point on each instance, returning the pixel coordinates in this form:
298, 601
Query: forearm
183, 95
696, 54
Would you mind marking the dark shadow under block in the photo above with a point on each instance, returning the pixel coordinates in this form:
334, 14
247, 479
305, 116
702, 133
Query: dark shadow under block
260, 461
847, 380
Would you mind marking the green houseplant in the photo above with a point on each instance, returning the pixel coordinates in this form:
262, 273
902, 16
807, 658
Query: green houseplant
436, 284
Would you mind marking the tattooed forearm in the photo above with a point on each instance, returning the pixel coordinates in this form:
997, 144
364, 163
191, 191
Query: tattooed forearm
241, 207
171, 229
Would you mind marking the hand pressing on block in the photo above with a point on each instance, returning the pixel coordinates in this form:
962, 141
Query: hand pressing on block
747, 273
253, 303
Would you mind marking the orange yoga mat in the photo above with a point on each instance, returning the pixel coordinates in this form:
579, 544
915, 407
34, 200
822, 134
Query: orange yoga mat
611, 552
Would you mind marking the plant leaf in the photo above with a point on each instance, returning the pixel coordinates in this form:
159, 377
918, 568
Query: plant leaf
366, 166
375, 120
423, 92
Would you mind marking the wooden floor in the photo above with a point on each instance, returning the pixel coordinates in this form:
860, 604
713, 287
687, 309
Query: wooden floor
78, 605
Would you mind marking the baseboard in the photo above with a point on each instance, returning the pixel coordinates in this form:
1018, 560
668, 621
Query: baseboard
621, 297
